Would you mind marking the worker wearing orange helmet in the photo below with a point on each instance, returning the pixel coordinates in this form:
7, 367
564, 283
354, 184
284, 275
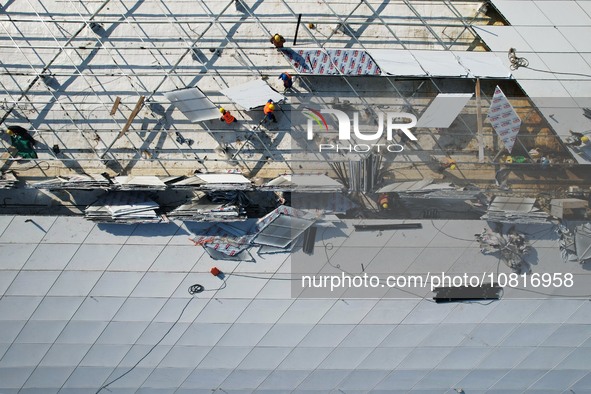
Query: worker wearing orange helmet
269, 111
227, 116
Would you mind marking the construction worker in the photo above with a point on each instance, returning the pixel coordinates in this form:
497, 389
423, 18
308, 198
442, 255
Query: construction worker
575, 139
384, 201
287, 80
544, 162
448, 163
277, 40
227, 116
268, 110
22, 143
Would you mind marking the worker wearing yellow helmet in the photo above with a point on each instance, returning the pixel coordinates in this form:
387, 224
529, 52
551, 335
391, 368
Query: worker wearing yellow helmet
269, 111
227, 116
384, 201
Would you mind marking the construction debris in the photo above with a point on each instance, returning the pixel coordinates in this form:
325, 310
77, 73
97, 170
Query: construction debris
8, 180
214, 182
146, 183
125, 208
511, 247
78, 182
575, 246
568, 208
515, 210
277, 231
304, 183
583, 242
202, 208
566, 244
423, 186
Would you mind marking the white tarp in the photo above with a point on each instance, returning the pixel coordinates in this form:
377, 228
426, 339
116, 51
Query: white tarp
397, 62
444, 109
193, 104
504, 119
252, 95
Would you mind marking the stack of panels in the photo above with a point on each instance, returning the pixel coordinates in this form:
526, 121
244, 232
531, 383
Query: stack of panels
515, 210
148, 183
201, 209
304, 183
214, 182
125, 208
78, 182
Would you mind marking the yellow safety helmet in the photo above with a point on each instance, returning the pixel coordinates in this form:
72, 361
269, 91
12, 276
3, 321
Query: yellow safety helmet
222, 110
385, 205
584, 139
452, 167
272, 107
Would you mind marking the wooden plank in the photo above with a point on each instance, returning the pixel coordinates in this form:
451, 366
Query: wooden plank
115, 105
136, 110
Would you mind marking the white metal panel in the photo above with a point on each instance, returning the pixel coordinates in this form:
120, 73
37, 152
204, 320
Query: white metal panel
521, 13
544, 39
223, 178
483, 64
397, 62
443, 110
502, 38
252, 95
440, 63
535, 61
578, 36
564, 13
570, 64
410, 63
193, 104
536, 88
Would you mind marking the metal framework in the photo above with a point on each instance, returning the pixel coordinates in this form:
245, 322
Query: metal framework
61, 83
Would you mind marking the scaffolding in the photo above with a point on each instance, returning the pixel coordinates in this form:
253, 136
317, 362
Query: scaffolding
65, 63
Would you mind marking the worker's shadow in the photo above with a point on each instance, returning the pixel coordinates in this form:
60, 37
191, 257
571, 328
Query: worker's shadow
298, 61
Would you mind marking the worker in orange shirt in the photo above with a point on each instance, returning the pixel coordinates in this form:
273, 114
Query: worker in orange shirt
269, 111
227, 116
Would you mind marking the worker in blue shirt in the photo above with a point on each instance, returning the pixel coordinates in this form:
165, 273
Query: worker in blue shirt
287, 80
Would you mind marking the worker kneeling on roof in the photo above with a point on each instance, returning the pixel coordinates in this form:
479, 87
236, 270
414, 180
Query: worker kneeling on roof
227, 116
384, 201
269, 111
